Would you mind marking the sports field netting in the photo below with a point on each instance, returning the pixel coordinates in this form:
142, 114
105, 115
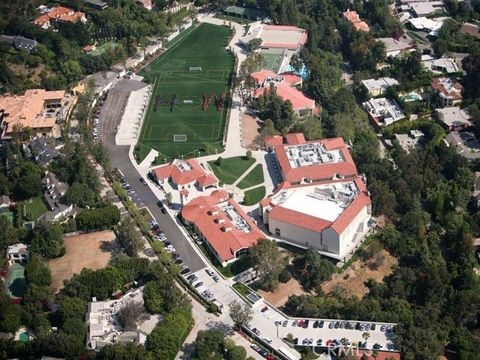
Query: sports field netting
195, 72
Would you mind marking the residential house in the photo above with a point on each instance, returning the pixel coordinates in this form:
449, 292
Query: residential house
226, 229
36, 109
58, 13
54, 191
43, 150
376, 87
103, 326
383, 111
454, 118
448, 90
147, 4
440, 66
17, 254
396, 46
185, 174
353, 17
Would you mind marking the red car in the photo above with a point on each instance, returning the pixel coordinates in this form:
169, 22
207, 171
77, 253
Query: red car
300, 323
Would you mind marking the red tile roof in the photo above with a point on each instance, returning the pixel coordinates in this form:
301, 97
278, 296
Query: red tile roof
286, 92
291, 78
295, 139
354, 18
318, 224
318, 172
273, 140
262, 75
59, 13
217, 228
455, 92
179, 177
380, 355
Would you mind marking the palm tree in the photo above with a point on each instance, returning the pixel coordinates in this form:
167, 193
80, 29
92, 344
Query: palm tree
366, 336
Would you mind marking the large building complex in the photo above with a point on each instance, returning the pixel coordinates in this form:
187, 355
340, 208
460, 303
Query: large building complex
35, 109
226, 229
58, 13
322, 203
304, 161
331, 217
185, 174
276, 36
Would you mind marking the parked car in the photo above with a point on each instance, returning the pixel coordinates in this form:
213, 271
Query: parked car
215, 278
209, 272
373, 327
255, 347
142, 180
197, 285
319, 342
295, 322
256, 331
300, 323
185, 271
315, 324
190, 277
264, 309
320, 324
331, 325
267, 340
337, 325
305, 324
285, 323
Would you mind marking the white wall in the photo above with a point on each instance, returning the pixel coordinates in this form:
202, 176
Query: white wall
348, 240
295, 234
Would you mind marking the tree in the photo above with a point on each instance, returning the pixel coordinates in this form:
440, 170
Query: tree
254, 44
129, 315
47, 240
169, 198
315, 269
123, 351
37, 272
241, 314
366, 336
28, 183
267, 264
209, 344
129, 237
72, 308
98, 218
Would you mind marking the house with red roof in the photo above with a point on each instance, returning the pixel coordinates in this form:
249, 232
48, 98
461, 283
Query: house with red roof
226, 229
59, 13
330, 216
303, 161
185, 174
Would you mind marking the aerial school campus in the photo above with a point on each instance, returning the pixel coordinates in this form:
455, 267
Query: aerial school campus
308, 194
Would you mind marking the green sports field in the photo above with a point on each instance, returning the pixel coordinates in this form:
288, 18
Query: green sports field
197, 67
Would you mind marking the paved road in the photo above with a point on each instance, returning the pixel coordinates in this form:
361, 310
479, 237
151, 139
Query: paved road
120, 159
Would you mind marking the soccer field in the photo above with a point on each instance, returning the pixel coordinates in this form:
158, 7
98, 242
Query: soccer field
188, 107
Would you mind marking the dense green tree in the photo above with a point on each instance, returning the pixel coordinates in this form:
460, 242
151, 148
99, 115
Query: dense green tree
240, 313
37, 272
72, 308
267, 263
123, 351
47, 240
129, 236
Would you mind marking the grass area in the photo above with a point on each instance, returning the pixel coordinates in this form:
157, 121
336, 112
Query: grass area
16, 284
179, 95
271, 61
254, 196
140, 152
35, 208
242, 289
254, 177
182, 35
230, 169
103, 47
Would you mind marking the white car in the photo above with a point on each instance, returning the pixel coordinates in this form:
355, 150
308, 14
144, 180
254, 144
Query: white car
267, 340
209, 272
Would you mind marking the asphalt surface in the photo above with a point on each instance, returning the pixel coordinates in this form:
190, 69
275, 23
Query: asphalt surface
111, 115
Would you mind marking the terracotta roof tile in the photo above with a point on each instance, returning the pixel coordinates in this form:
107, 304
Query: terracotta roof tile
217, 228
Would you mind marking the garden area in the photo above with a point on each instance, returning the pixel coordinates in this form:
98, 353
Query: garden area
35, 208
254, 196
229, 170
254, 177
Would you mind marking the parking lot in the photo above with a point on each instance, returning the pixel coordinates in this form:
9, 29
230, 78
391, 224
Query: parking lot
270, 326
131, 193
210, 289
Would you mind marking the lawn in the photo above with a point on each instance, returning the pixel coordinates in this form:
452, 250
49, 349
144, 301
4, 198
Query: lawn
272, 61
254, 196
140, 152
35, 208
103, 47
254, 177
189, 104
230, 169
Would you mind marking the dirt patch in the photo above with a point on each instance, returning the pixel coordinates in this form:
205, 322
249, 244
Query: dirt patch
250, 130
32, 74
91, 251
351, 281
279, 297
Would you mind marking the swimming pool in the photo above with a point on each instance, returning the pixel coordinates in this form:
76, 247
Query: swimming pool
303, 71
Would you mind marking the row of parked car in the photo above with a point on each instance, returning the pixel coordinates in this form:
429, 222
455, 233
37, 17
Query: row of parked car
131, 192
193, 279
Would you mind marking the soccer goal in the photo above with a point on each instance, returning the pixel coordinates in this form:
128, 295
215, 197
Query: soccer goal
179, 138
195, 68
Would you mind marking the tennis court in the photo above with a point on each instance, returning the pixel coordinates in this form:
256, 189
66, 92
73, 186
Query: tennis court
272, 61
189, 104
16, 284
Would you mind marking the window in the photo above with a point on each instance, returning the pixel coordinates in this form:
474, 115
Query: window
277, 232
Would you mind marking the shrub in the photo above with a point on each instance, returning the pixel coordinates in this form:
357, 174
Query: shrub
284, 276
